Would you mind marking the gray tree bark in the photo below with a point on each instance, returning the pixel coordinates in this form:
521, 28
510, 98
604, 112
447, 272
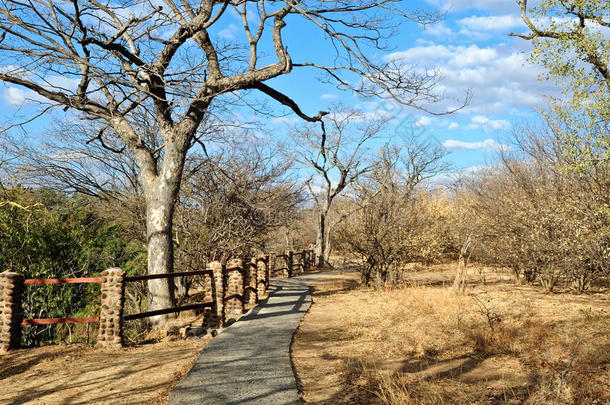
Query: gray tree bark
161, 191
321, 236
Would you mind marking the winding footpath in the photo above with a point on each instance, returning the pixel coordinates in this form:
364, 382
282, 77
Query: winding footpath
249, 363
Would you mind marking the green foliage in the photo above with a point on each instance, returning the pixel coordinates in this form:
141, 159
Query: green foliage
44, 234
572, 43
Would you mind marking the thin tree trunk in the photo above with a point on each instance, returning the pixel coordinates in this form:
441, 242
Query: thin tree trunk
459, 283
321, 239
327, 246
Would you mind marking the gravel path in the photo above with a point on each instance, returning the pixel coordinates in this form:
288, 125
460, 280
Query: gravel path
249, 363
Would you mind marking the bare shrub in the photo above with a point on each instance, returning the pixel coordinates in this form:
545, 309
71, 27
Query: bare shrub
393, 222
537, 216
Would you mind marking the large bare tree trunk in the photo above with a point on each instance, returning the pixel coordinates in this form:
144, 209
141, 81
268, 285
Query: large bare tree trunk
161, 192
159, 213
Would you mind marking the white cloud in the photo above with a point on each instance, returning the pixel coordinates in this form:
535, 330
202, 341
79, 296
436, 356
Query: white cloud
453, 125
329, 96
289, 120
423, 122
14, 97
487, 5
438, 30
487, 144
499, 76
494, 23
230, 32
481, 121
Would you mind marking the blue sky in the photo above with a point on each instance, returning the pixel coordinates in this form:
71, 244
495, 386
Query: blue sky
472, 50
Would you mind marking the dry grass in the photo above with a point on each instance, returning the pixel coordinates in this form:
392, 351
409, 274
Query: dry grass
426, 344
79, 374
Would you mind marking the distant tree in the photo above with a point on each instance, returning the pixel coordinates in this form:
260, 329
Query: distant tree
337, 156
387, 229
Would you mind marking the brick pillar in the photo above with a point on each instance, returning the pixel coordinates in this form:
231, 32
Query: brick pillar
234, 293
11, 292
261, 276
290, 263
302, 260
250, 282
211, 315
111, 315
220, 286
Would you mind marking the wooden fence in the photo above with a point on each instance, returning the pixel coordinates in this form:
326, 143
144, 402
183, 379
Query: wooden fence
228, 289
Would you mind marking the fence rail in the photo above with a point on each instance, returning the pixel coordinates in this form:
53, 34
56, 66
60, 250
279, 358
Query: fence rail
58, 281
54, 321
167, 311
167, 275
50, 281
228, 288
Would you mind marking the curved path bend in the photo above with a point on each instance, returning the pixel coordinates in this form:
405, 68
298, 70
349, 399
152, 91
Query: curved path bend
249, 363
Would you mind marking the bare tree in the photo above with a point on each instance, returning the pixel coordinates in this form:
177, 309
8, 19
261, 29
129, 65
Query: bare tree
337, 158
386, 230
104, 60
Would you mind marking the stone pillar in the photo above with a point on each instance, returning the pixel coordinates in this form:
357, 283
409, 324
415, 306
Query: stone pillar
261, 276
250, 282
290, 264
11, 292
111, 314
212, 317
302, 260
220, 287
234, 293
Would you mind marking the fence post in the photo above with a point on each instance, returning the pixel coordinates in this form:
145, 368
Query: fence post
261, 275
111, 314
270, 265
302, 260
211, 316
234, 292
11, 292
250, 282
290, 263
220, 285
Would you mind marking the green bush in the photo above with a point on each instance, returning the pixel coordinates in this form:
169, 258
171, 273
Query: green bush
44, 234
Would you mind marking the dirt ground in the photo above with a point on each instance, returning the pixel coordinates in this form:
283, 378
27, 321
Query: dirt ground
79, 374
426, 344
82, 374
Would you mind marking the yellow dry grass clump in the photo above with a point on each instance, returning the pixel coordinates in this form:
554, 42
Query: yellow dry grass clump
425, 344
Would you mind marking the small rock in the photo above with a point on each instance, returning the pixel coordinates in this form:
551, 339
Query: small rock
194, 331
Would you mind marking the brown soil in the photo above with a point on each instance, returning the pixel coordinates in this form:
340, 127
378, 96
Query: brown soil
79, 374
426, 344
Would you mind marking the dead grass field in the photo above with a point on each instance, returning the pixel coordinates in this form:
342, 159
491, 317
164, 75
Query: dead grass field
79, 374
426, 344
